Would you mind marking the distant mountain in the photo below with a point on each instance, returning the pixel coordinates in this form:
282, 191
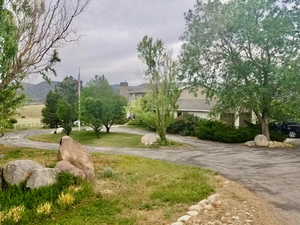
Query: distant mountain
36, 93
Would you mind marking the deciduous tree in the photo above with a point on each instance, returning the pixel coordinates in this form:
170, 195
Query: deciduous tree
113, 105
92, 113
30, 33
161, 72
245, 53
66, 115
41, 26
10, 99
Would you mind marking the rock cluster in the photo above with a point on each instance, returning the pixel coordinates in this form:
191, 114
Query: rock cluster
74, 159
262, 141
202, 207
29, 172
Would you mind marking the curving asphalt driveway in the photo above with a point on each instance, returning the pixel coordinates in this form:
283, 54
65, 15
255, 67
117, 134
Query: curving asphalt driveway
272, 174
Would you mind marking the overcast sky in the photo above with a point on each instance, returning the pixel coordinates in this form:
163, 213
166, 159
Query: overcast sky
110, 31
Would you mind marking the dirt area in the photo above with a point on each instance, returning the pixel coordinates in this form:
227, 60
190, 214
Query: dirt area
236, 206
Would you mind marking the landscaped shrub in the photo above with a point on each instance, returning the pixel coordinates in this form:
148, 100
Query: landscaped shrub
142, 123
218, 131
184, 125
22, 205
10, 124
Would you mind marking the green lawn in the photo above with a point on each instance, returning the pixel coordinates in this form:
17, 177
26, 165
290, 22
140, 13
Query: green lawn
105, 140
136, 191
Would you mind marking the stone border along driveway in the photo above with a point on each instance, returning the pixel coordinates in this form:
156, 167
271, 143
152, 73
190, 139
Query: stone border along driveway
272, 174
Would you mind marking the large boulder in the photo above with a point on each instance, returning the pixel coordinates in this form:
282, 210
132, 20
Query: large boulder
42, 178
17, 172
66, 166
149, 139
261, 141
77, 155
59, 130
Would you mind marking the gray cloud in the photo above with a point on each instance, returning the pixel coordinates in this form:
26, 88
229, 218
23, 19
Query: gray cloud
110, 31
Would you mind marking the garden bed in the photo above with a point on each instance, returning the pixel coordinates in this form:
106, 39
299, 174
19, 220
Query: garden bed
128, 190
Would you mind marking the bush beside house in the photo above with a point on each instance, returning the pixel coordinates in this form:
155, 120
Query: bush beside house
218, 131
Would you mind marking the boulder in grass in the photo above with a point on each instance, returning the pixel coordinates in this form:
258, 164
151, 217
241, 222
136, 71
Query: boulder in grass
149, 139
67, 167
17, 172
77, 155
59, 130
261, 141
42, 178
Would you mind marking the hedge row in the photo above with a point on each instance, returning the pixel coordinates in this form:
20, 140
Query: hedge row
218, 131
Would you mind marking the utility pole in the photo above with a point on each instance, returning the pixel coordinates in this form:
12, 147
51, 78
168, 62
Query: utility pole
79, 94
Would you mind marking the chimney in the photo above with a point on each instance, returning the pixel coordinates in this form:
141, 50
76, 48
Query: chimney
124, 90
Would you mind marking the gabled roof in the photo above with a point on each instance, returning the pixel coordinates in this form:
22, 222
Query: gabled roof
194, 105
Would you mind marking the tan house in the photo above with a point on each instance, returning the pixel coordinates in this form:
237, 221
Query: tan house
188, 103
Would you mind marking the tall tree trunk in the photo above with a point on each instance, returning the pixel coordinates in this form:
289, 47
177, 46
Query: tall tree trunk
265, 127
162, 136
107, 128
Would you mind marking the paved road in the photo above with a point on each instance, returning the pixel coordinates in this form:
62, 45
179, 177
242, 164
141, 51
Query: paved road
272, 174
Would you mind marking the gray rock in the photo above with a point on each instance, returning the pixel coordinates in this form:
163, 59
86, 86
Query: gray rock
2, 156
149, 139
261, 141
16, 172
77, 155
184, 218
59, 130
42, 178
192, 213
213, 198
195, 208
65, 166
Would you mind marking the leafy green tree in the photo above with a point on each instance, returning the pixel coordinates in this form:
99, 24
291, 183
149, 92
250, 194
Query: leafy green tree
30, 33
113, 105
66, 115
10, 99
49, 113
245, 53
67, 91
143, 112
92, 113
161, 73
